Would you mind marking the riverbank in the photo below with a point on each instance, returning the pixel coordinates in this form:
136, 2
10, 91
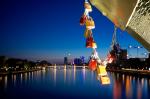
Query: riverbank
132, 72
21, 71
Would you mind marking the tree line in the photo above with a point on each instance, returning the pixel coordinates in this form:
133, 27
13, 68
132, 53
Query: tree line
15, 64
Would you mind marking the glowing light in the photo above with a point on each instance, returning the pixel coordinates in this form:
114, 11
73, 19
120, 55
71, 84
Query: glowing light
74, 73
105, 80
54, 76
43, 68
101, 70
128, 87
14, 79
102, 75
5, 79
64, 73
130, 46
21, 78
83, 71
55, 66
25, 76
64, 67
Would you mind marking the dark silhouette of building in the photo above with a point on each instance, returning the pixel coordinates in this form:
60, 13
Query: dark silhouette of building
82, 59
122, 54
66, 60
78, 61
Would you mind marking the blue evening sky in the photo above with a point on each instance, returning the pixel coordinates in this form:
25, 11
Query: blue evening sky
49, 29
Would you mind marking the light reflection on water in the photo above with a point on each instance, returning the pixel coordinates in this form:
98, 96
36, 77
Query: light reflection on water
5, 82
65, 75
74, 74
55, 76
128, 87
75, 81
83, 71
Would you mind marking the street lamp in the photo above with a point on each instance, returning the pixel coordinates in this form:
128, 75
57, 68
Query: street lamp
130, 46
145, 54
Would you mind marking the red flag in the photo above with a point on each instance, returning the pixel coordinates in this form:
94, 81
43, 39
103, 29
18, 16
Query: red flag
92, 64
83, 19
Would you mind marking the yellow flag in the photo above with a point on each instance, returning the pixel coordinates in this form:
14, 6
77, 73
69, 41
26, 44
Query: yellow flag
87, 33
90, 24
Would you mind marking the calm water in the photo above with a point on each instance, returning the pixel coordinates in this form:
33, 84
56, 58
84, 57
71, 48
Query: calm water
72, 83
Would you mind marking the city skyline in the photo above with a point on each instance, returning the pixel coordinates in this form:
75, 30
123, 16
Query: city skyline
50, 30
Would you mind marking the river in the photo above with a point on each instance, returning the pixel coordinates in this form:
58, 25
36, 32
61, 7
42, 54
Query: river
72, 83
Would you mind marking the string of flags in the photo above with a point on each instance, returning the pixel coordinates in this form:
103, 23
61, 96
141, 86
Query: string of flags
95, 62
87, 21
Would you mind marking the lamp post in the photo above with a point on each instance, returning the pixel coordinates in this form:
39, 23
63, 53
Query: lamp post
130, 46
146, 54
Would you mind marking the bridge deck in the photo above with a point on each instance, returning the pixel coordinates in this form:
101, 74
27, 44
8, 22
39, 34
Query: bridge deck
130, 15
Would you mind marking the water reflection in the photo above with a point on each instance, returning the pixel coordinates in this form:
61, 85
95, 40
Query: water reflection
128, 87
123, 78
78, 81
21, 78
74, 74
69, 74
83, 72
117, 90
139, 91
134, 86
5, 82
14, 79
25, 77
65, 74
55, 76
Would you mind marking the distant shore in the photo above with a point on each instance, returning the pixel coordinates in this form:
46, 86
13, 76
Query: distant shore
122, 71
131, 72
37, 69
17, 72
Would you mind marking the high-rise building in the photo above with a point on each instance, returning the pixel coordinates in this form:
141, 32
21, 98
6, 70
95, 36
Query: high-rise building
78, 61
123, 54
82, 59
66, 60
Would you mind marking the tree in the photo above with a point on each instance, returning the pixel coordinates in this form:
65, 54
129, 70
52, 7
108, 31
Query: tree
44, 63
